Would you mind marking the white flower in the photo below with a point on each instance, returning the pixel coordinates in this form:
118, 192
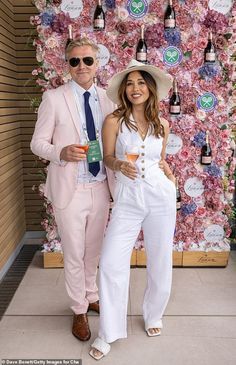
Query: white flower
52, 42
41, 188
57, 247
200, 114
184, 36
40, 4
123, 13
66, 77
150, 19
47, 75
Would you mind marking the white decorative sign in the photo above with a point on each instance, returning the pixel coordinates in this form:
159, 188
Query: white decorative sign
73, 7
221, 6
214, 233
193, 187
174, 144
103, 55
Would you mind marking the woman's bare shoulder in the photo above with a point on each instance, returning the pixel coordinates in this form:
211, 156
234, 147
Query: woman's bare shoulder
111, 120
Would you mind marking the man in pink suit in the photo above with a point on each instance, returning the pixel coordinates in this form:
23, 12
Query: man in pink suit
71, 114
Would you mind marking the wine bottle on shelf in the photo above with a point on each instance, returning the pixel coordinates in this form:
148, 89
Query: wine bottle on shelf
99, 17
206, 155
169, 18
70, 35
178, 196
209, 52
175, 102
141, 50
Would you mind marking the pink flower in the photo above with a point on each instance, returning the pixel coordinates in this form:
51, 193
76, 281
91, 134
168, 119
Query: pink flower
220, 42
201, 211
122, 27
52, 234
56, 81
196, 27
223, 57
184, 154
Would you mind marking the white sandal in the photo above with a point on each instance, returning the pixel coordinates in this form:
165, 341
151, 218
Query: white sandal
153, 334
101, 346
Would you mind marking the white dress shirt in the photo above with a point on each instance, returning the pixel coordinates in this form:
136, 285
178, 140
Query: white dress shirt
85, 177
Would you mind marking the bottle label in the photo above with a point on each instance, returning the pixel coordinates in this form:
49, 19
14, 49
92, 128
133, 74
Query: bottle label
206, 159
178, 205
175, 108
99, 23
169, 23
141, 56
210, 56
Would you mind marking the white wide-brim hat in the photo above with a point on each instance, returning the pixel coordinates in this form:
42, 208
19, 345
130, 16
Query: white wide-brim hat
163, 80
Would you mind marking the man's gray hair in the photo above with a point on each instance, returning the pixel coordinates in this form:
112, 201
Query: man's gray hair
80, 42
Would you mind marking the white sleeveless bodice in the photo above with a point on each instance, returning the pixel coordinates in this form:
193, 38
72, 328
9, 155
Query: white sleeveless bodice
149, 156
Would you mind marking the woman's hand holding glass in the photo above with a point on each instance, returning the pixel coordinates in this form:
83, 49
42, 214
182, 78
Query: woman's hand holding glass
129, 168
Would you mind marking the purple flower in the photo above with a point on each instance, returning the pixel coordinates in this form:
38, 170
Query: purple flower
188, 208
56, 2
208, 71
172, 36
110, 4
217, 22
60, 23
154, 35
199, 139
47, 18
213, 170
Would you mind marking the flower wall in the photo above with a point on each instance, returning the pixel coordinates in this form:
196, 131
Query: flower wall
207, 94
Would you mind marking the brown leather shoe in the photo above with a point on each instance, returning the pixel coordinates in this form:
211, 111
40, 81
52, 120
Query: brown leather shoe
80, 328
94, 307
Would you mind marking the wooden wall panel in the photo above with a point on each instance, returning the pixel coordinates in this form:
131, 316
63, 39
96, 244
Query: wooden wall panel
12, 210
19, 206
26, 62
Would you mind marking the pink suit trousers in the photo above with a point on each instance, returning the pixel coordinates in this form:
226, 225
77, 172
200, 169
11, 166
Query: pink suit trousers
81, 226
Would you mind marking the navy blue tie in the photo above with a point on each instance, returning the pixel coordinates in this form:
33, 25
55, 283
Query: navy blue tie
94, 167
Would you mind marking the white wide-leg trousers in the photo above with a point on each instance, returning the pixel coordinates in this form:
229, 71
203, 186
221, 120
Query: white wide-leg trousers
153, 209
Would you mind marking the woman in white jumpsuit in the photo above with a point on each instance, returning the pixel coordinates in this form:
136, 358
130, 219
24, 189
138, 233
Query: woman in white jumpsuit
145, 196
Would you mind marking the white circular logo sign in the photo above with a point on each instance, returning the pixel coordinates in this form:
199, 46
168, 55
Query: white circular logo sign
214, 233
174, 144
103, 55
73, 7
193, 187
221, 6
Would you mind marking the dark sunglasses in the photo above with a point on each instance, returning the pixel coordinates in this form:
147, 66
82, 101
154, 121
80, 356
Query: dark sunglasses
75, 61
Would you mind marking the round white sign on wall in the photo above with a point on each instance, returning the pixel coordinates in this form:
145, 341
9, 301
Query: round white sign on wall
103, 55
193, 187
73, 7
214, 233
174, 144
221, 6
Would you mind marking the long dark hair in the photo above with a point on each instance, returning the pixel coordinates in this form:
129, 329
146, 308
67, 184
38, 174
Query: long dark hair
151, 109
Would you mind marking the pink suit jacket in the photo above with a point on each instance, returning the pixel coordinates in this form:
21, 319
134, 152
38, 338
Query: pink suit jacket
57, 127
